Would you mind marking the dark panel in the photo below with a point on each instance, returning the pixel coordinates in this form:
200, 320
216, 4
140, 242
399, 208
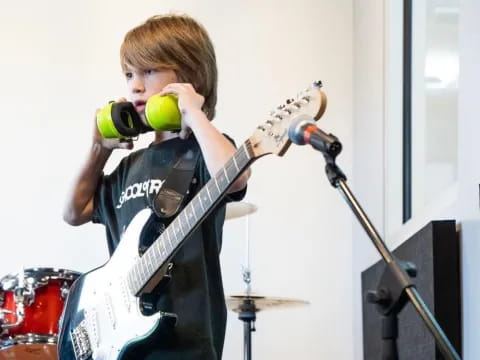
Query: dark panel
435, 252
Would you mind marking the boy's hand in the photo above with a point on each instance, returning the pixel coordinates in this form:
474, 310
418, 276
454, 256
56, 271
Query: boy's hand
110, 144
189, 103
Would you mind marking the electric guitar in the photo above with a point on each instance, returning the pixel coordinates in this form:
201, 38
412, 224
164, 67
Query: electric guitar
105, 314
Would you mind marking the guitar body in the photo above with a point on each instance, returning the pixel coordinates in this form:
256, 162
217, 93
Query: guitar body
102, 319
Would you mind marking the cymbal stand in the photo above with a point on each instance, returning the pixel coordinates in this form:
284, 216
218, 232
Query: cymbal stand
247, 314
247, 311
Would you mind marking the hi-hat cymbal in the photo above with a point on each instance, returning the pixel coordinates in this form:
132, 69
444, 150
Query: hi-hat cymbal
235, 302
238, 209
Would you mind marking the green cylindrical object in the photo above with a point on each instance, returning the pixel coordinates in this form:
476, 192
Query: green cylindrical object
105, 123
162, 113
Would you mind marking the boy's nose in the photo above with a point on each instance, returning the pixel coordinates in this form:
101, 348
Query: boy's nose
138, 87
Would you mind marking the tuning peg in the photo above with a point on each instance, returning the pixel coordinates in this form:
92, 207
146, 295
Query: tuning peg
318, 83
289, 101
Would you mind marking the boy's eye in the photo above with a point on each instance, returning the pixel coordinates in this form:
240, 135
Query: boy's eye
149, 71
128, 75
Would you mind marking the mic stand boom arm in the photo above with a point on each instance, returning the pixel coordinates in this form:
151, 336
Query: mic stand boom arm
401, 287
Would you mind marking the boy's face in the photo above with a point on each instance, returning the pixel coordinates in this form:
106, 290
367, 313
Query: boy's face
142, 84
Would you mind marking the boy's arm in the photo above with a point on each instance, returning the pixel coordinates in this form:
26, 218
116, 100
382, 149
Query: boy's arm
78, 208
215, 147
79, 205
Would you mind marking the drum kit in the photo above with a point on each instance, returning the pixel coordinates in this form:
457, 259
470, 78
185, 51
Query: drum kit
32, 302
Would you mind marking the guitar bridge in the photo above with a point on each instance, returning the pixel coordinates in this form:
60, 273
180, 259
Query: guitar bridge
81, 342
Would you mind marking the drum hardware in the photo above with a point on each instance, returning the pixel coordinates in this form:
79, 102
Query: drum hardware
248, 304
23, 296
19, 315
64, 290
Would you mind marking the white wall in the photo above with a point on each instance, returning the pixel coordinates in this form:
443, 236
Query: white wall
59, 62
368, 129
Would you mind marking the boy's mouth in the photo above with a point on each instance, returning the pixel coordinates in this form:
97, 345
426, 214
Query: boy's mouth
139, 105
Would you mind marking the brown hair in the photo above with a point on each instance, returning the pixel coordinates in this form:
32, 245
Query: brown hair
179, 43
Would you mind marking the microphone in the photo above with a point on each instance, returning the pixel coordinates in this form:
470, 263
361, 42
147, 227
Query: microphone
304, 131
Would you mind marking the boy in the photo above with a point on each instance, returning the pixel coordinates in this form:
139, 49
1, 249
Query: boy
169, 54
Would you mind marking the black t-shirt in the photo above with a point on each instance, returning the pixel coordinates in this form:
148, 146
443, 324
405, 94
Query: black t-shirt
195, 292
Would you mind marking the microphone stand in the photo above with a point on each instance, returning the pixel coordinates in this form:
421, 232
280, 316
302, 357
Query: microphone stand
395, 288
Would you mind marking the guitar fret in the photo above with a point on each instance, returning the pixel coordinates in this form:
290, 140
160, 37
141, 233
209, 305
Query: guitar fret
137, 276
155, 247
192, 213
214, 189
172, 235
145, 264
208, 192
216, 183
200, 199
246, 153
164, 252
142, 270
151, 261
226, 175
231, 170
181, 226
243, 155
169, 240
148, 266
235, 162
175, 232
132, 284
186, 220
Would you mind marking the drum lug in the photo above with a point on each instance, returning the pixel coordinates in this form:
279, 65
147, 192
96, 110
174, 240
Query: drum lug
64, 290
24, 295
20, 315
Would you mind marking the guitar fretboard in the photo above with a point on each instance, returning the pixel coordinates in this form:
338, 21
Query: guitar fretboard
198, 208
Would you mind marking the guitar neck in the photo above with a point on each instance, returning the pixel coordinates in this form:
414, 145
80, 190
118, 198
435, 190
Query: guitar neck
141, 277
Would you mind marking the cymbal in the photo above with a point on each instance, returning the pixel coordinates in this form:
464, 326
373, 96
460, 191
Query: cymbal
238, 209
234, 302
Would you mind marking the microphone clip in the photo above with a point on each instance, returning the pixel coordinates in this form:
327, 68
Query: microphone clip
305, 131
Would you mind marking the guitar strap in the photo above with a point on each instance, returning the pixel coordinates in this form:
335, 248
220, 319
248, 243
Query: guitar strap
169, 199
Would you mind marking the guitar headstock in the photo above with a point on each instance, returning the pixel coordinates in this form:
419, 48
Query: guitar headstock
272, 136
